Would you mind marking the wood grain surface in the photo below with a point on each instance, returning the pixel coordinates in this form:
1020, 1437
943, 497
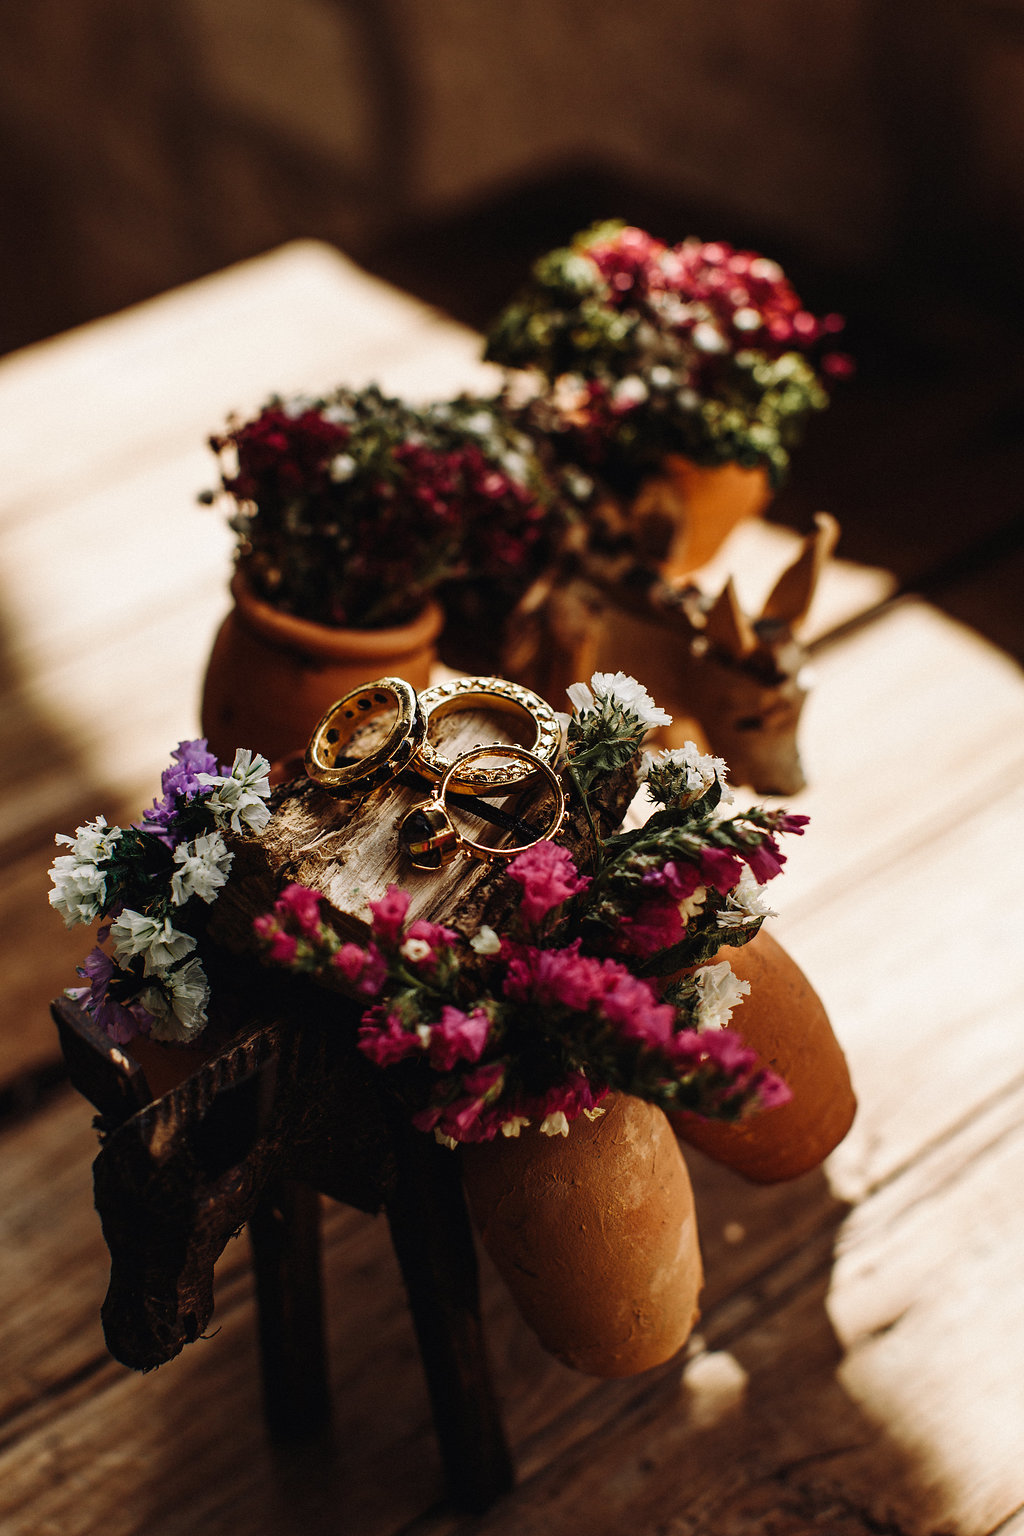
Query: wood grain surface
859, 1363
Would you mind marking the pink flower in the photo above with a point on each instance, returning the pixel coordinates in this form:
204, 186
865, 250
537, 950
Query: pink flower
773, 1091
788, 822
720, 868
630, 1004
384, 1040
458, 1037
548, 877
283, 947
765, 860
679, 880
302, 904
351, 961
654, 925
389, 915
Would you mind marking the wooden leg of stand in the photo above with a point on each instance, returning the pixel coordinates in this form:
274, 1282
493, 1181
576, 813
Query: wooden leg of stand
434, 1243
285, 1236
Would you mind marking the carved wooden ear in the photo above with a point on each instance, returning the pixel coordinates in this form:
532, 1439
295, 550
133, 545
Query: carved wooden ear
790, 598
727, 625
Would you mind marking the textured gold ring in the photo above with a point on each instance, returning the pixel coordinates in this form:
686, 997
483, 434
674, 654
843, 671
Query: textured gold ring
429, 837
493, 693
327, 760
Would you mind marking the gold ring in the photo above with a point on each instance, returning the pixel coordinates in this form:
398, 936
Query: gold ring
326, 761
496, 693
429, 837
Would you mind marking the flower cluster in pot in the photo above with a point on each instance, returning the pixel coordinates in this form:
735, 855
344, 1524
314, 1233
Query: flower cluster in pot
353, 509
152, 885
599, 980
642, 349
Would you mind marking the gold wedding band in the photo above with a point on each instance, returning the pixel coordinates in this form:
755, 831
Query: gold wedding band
326, 759
429, 837
494, 693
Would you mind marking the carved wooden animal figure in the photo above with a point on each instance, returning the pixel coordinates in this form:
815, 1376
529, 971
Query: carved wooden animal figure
741, 679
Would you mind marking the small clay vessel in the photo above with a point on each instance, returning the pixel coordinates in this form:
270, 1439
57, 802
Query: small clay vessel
272, 676
714, 499
594, 1234
784, 1020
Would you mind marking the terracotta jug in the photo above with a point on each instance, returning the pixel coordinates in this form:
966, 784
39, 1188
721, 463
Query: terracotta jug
783, 1019
594, 1234
271, 676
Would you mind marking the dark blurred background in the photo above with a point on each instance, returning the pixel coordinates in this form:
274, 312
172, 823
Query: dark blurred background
874, 147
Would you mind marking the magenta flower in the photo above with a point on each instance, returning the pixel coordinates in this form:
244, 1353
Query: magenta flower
678, 880
789, 822
301, 904
458, 1037
383, 1039
654, 925
720, 868
389, 915
283, 947
548, 877
765, 860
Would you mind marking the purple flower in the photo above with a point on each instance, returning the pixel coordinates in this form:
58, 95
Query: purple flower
679, 881
121, 1021
180, 783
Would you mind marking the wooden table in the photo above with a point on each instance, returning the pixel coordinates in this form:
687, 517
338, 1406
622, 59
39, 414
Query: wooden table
860, 1362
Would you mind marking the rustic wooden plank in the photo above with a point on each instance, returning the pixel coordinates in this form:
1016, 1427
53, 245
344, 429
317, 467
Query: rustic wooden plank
117, 392
911, 720
757, 1420
919, 965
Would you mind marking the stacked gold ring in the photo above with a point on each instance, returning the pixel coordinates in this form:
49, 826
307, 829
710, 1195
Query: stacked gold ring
495, 693
430, 838
406, 744
325, 759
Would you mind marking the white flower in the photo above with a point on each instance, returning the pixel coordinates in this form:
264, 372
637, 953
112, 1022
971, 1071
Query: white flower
580, 697
555, 1125
719, 991
178, 1003
629, 391
443, 1140
204, 868
415, 950
514, 1126
691, 905
708, 338
485, 941
239, 800
79, 885
133, 933
628, 694
343, 467
697, 770
746, 901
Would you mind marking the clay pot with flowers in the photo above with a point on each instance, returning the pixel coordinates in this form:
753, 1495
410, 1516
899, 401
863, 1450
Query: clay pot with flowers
552, 1049
352, 513
679, 377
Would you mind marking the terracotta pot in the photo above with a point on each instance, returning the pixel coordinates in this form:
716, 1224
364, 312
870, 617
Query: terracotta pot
784, 1020
714, 499
271, 676
594, 1234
